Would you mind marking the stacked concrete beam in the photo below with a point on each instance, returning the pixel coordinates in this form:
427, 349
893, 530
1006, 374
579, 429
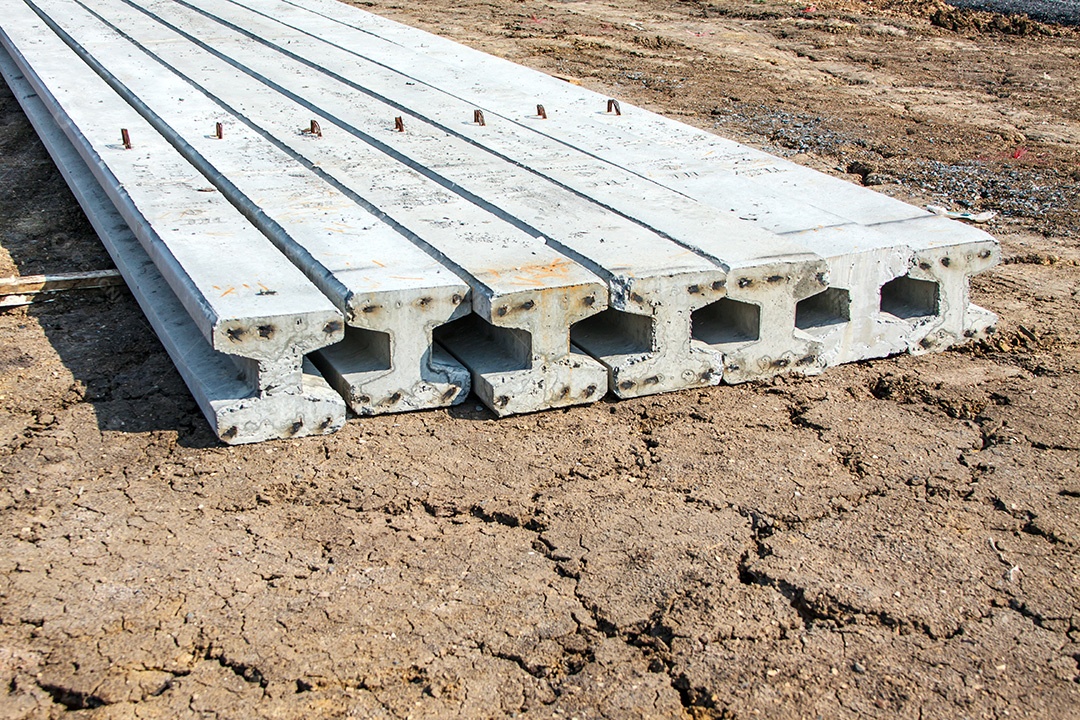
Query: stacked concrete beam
510, 268
525, 294
443, 229
898, 275
356, 259
214, 315
658, 273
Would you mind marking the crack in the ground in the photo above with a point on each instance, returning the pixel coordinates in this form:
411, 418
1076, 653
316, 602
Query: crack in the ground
72, 699
1037, 619
828, 609
248, 673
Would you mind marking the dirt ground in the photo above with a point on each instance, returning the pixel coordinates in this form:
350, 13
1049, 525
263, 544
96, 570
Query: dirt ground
895, 538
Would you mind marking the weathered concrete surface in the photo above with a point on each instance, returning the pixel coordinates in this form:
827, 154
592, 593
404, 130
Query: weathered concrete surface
511, 270
725, 551
236, 411
505, 265
261, 86
947, 254
535, 179
355, 258
265, 314
779, 195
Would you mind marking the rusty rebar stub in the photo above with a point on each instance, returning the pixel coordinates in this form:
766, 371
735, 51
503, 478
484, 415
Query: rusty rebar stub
315, 128
219, 131
478, 117
614, 105
125, 137
541, 112
399, 124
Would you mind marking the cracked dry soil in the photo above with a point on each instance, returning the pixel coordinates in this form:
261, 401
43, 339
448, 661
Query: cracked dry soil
895, 538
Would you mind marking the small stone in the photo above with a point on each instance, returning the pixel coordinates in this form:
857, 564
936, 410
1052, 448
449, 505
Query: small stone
858, 667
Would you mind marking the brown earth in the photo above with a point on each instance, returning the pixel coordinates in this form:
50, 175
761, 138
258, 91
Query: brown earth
895, 538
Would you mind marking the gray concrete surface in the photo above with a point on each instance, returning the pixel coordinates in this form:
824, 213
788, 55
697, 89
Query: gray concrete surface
236, 412
354, 257
506, 267
589, 210
779, 195
651, 275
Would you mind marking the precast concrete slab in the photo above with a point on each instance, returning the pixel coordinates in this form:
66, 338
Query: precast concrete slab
661, 146
655, 283
779, 195
935, 295
642, 238
237, 411
387, 362
527, 292
846, 317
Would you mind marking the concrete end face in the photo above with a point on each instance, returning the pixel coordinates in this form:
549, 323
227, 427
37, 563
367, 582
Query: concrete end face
388, 362
957, 319
270, 337
517, 347
644, 339
934, 298
575, 379
314, 409
754, 325
847, 316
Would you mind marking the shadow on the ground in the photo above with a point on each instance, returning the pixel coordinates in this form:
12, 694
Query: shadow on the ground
43, 230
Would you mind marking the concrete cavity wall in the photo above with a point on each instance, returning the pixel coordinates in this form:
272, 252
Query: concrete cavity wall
279, 180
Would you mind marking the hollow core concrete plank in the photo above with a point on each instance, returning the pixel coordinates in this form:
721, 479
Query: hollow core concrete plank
359, 261
235, 412
648, 228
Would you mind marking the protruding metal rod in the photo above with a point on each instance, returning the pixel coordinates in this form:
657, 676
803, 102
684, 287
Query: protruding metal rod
125, 137
614, 105
315, 129
541, 112
399, 124
478, 117
219, 131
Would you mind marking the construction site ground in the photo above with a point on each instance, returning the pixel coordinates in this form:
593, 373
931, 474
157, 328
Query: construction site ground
894, 538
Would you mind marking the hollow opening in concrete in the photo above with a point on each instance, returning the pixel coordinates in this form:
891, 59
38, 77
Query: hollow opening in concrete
726, 322
613, 332
362, 350
908, 298
485, 348
828, 308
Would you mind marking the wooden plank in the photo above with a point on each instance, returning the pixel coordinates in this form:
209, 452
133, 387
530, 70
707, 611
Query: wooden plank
29, 285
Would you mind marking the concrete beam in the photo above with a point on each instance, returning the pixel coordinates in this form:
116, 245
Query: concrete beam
510, 271
625, 229
236, 411
779, 195
647, 274
934, 297
386, 363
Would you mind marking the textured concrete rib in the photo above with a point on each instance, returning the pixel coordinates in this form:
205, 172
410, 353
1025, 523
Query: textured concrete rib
386, 362
947, 255
644, 340
528, 293
235, 412
780, 195
662, 254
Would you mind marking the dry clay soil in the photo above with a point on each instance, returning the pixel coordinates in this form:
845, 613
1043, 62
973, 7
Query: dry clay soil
895, 538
